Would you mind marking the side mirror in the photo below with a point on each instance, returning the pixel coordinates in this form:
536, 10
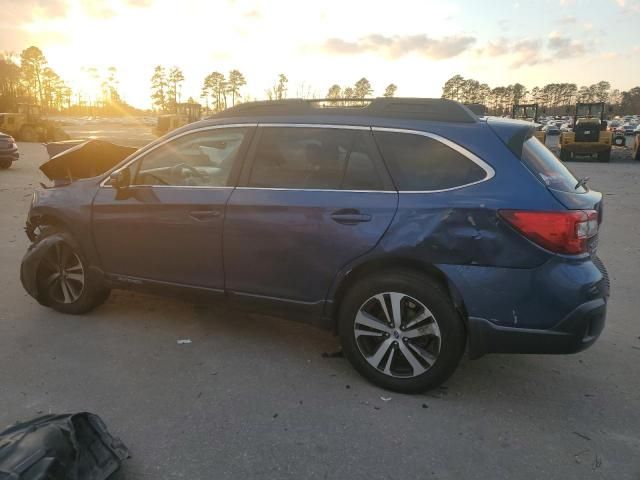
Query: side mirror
120, 179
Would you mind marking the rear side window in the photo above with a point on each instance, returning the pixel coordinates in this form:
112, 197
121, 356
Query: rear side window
418, 163
315, 158
548, 168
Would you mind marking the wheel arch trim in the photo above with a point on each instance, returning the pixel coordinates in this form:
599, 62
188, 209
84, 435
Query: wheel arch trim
346, 278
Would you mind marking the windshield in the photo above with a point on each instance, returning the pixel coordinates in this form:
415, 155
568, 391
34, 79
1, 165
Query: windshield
589, 110
548, 168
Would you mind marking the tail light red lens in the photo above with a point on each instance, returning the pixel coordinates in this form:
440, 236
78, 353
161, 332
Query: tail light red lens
560, 232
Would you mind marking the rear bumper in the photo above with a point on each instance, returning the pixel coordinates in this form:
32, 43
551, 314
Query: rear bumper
12, 155
576, 332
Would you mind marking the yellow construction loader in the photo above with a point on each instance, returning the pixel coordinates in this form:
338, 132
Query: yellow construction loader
185, 113
589, 136
27, 125
529, 112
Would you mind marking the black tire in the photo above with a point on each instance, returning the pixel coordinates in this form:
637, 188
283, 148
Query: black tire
565, 156
28, 134
432, 296
4, 164
604, 157
93, 292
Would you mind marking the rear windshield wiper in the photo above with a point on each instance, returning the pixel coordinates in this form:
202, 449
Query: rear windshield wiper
581, 183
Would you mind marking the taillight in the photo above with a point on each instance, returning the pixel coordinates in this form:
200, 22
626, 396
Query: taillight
561, 232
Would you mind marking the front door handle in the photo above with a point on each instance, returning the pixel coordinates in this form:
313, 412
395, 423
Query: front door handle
204, 215
350, 216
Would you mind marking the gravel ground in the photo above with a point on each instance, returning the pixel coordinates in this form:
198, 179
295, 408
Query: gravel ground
252, 396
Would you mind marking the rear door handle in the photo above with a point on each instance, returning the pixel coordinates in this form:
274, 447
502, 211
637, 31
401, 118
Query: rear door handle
204, 215
350, 216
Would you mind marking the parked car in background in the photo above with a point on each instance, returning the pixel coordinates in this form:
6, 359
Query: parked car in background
411, 227
551, 129
612, 125
8, 151
637, 129
628, 129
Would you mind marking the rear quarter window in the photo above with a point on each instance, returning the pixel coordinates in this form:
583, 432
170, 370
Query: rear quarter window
421, 163
548, 168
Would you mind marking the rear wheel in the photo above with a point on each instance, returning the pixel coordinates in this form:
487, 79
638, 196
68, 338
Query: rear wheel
65, 282
604, 156
565, 156
4, 164
401, 331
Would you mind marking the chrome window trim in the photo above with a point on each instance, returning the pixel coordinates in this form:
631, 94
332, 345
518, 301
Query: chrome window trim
283, 189
461, 150
188, 132
315, 125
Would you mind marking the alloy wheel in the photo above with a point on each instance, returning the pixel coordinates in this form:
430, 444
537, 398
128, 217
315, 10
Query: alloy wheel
63, 274
397, 335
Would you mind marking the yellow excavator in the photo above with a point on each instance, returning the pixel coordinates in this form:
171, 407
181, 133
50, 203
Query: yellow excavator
529, 112
185, 113
589, 136
28, 125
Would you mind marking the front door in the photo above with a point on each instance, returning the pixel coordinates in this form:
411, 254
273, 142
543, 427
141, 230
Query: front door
310, 200
167, 225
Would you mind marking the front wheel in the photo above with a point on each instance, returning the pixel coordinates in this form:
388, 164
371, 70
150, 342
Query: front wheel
604, 156
65, 283
401, 331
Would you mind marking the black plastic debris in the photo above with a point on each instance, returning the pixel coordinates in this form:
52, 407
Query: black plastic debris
60, 447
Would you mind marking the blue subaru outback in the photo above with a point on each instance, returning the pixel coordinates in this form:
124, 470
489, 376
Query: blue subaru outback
412, 227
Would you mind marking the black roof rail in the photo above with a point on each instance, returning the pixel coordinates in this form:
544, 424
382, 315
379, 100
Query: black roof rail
433, 109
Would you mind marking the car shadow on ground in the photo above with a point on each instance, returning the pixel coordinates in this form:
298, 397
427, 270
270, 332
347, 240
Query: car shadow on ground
529, 378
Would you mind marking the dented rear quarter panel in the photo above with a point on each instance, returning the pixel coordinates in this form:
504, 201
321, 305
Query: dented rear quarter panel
499, 275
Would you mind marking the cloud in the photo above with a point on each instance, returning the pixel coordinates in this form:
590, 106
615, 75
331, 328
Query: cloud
629, 5
397, 46
528, 52
255, 13
26, 9
138, 3
524, 52
563, 46
567, 20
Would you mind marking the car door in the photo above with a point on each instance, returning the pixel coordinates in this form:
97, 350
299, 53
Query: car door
167, 225
311, 199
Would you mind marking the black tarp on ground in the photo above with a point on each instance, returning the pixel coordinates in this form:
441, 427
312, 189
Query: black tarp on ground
60, 447
85, 160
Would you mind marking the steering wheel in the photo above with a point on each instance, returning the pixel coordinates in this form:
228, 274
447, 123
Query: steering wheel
178, 169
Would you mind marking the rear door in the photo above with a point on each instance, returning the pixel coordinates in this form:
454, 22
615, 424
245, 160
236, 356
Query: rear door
311, 199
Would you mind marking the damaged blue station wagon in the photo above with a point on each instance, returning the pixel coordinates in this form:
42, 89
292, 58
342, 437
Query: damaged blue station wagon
412, 227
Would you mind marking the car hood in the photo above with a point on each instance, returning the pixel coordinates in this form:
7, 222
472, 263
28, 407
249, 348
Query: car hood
73, 160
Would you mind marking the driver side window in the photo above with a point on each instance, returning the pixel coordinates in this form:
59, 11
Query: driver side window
202, 159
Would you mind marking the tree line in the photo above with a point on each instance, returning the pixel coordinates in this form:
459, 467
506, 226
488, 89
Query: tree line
27, 78
553, 98
220, 91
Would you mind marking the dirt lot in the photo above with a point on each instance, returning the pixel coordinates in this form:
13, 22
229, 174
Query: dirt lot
252, 397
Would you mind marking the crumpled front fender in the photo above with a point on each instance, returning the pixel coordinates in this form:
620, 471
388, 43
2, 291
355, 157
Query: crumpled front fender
33, 258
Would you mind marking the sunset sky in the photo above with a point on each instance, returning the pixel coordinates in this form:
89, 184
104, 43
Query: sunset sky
416, 44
